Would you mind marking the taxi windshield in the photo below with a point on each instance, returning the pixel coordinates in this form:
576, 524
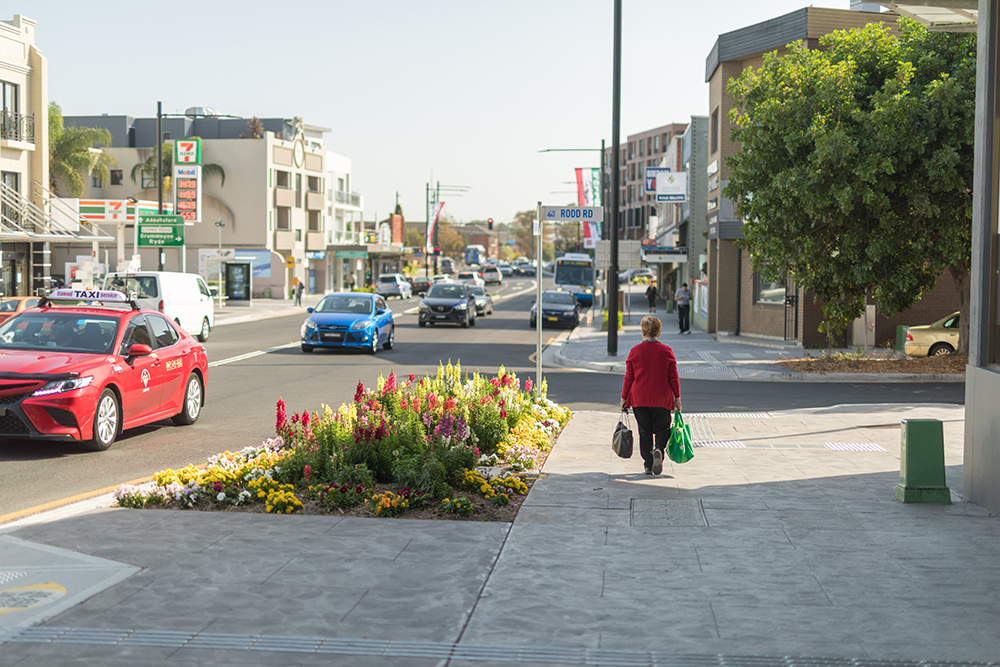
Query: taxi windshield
65, 332
361, 305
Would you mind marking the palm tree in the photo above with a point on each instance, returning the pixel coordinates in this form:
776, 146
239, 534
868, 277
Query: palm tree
75, 152
149, 167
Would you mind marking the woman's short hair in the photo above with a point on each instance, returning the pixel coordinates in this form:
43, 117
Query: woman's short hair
650, 326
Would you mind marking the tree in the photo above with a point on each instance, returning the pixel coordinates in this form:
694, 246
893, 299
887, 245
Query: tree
255, 129
524, 236
414, 239
74, 152
451, 241
855, 171
149, 167
567, 236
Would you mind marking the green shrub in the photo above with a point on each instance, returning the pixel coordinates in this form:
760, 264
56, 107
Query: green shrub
356, 475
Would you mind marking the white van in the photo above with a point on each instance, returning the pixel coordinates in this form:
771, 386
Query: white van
183, 297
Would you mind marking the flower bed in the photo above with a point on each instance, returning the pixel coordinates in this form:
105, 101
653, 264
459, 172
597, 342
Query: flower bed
450, 446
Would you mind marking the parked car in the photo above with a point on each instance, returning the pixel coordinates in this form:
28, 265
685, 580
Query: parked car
931, 340
349, 319
421, 284
505, 268
448, 303
393, 284
484, 300
470, 277
558, 307
86, 373
183, 297
16, 304
491, 274
447, 266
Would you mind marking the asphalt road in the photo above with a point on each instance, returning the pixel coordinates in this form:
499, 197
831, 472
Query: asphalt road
241, 396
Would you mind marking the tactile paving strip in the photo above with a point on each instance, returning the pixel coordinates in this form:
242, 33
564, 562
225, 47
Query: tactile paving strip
715, 366
854, 447
728, 415
9, 575
131, 639
723, 444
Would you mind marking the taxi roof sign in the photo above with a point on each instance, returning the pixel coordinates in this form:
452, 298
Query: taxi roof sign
102, 296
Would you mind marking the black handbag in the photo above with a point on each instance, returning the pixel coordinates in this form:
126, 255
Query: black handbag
621, 441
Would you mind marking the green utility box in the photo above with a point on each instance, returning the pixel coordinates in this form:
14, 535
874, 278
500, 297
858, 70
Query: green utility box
921, 463
901, 337
670, 304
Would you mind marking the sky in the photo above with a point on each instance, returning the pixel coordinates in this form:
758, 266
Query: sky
456, 92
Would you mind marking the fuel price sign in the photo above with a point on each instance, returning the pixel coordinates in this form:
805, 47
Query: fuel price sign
187, 191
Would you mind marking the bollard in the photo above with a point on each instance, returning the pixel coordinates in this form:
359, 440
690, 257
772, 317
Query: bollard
921, 463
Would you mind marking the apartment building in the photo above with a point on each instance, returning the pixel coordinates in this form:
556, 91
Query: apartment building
279, 205
635, 205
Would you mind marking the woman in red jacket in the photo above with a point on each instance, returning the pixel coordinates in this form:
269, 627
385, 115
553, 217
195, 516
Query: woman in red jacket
652, 389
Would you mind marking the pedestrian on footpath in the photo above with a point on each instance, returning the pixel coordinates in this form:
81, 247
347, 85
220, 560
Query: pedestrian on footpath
299, 289
683, 299
651, 294
350, 281
652, 388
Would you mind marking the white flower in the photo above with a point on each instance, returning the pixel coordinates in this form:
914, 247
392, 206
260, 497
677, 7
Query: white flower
221, 496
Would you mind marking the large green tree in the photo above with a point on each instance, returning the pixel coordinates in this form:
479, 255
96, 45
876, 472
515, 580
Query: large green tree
74, 153
855, 169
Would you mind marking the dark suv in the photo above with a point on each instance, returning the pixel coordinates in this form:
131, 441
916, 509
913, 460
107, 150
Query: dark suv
448, 303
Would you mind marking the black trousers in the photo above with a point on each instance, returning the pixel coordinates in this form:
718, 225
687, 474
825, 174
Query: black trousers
653, 423
684, 317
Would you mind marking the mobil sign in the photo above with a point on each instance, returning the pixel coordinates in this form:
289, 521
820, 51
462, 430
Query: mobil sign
187, 192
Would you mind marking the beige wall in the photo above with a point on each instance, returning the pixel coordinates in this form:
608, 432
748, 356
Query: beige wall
24, 65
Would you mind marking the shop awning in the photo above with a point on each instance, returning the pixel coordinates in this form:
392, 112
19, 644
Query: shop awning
939, 15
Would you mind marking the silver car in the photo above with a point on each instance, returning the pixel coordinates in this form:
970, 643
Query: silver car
484, 300
393, 284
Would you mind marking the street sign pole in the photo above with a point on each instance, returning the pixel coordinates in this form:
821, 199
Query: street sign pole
538, 300
616, 113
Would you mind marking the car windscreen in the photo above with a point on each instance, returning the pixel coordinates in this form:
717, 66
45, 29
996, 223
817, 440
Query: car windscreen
65, 332
574, 273
477, 290
466, 276
558, 298
446, 292
387, 279
360, 305
9, 305
143, 286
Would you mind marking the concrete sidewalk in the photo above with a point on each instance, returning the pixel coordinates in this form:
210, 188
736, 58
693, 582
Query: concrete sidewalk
264, 309
780, 538
701, 355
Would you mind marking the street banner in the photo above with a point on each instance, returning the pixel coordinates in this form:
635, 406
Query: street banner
591, 233
588, 186
671, 187
432, 226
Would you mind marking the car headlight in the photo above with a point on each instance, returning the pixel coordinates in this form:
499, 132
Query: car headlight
589, 291
424, 308
362, 324
462, 306
61, 386
309, 324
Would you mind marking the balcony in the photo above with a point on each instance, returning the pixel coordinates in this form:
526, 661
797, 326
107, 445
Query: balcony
17, 128
349, 198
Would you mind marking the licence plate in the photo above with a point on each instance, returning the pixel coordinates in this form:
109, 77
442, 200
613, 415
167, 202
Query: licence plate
333, 336
552, 319
440, 317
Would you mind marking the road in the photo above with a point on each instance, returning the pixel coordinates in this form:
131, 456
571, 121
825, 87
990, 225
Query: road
241, 396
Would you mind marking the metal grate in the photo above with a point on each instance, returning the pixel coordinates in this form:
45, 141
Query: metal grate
854, 447
127, 639
12, 424
722, 444
12, 398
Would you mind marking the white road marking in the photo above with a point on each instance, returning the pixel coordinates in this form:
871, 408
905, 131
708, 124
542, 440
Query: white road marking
251, 355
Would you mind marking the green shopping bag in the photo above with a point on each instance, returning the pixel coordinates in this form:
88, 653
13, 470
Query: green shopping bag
679, 449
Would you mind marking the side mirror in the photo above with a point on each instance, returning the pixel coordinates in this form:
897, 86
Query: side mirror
214, 291
140, 350
380, 311
309, 310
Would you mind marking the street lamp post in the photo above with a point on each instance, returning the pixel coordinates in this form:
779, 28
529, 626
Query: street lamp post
220, 224
616, 113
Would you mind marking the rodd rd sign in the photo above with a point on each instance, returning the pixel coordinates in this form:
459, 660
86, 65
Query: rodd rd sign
573, 213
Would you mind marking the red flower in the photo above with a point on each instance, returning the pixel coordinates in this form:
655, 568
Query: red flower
450, 404
280, 422
528, 385
412, 377
359, 393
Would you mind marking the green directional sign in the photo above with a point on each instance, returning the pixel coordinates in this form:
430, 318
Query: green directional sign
161, 230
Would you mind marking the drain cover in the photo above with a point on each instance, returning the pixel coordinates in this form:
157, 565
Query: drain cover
655, 512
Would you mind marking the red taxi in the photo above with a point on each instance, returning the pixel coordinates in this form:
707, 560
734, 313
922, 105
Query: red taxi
86, 372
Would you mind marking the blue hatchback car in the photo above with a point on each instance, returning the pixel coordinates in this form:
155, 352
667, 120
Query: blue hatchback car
350, 319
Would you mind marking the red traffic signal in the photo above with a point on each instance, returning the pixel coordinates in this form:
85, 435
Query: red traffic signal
489, 223
437, 250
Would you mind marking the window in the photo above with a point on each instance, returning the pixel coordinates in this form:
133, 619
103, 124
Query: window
95, 181
10, 98
715, 131
314, 184
116, 177
315, 222
284, 217
162, 331
283, 179
298, 190
641, 142
769, 292
340, 185
663, 143
298, 234
656, 144
167, 136
148, 180
136, 334
380, 304
203, 288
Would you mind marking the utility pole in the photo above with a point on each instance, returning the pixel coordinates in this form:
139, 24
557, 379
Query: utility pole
159, 170
616, 109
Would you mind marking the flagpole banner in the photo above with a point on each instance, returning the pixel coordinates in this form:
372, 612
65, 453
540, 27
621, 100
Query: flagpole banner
590, 234
432, 226
580, 194
595, 187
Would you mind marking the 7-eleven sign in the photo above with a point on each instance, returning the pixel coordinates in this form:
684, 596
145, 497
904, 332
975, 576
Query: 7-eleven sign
115, 211
187, 151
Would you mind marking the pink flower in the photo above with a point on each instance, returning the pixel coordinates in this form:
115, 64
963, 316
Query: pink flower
412, 377
528, 385
280, 422
308, 472
390, 383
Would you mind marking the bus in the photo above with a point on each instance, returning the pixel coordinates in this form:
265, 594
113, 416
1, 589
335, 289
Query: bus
575, 273
474, 254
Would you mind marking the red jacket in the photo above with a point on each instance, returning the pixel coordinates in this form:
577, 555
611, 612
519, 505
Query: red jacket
651, 378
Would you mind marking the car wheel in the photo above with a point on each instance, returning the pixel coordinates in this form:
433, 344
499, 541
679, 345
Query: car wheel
107, 421
205, 332
307, 348
531, 323
374, 347
391, 340
939, 349
421, 324
465, 322
192, 402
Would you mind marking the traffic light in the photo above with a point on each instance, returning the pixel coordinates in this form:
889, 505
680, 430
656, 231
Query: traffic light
489, 223
437, 250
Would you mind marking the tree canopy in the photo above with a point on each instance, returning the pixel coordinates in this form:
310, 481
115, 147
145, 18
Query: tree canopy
74, 152
855, 169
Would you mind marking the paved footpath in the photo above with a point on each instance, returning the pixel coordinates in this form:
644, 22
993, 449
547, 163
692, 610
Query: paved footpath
780, 538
